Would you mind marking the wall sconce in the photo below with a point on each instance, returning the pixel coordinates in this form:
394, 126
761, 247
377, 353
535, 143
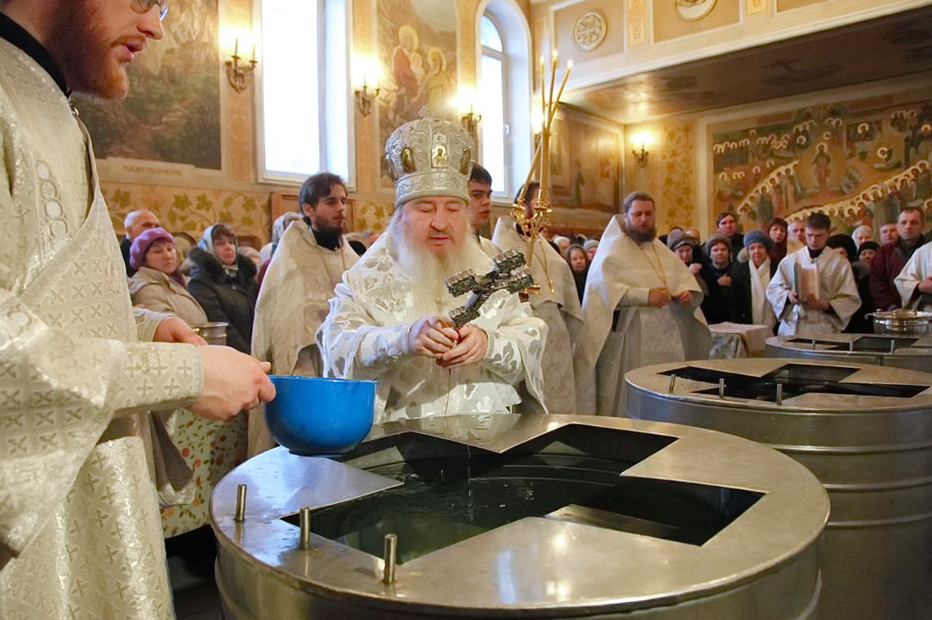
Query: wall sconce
466, 103
365, 95
238, 72
639, 144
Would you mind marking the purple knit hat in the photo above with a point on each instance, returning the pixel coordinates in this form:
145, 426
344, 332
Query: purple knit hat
142, 243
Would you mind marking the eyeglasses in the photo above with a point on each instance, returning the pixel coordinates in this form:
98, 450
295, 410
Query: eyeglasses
144, 6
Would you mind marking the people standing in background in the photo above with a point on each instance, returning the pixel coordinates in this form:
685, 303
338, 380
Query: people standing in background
719, 305
223, 281
688, 250
844, 246
640, 308
578, 261
158, 284
310, 261
837, 300
135, 223
590, 247
862, 234
556, 303
727, 225
480, 206
892, 257
888, 233
797, 233
750, 280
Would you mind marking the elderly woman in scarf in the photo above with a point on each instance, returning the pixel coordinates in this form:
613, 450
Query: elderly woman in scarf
158, 284
223, 281
751, 279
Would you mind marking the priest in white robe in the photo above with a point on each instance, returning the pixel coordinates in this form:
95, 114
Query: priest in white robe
641, 307
480, 207
556, 302
389, 318
294, 299
914, 283
79, 529
827, 312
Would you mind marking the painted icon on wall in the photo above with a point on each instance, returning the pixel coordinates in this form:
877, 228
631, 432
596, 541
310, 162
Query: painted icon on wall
693, 10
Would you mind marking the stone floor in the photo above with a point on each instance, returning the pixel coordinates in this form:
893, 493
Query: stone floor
191, 571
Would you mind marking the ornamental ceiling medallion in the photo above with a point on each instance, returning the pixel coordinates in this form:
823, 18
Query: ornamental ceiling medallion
589, 30
693, 10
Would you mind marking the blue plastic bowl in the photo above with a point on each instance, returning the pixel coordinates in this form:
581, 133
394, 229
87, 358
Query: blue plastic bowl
320, 417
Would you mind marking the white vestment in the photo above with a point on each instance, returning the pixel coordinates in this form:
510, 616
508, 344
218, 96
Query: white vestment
836, 285
365, 337
761, 310
79, 527
621, 331
557, 304
491, 250
293, 302
917, 269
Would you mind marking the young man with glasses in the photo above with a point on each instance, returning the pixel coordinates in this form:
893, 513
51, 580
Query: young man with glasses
79, 370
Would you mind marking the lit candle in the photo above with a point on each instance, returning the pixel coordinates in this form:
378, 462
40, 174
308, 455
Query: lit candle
236, 49
253, 52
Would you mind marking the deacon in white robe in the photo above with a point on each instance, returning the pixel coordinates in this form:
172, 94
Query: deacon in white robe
294, 299
388, 320
480, 207
556, 303
838, 297
914, 283
79, 528
641, 307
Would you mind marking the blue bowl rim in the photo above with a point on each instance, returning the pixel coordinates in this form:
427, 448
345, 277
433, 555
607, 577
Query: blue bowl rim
299, 378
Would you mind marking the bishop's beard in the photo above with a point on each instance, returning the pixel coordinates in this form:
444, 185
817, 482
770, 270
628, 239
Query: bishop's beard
428, 271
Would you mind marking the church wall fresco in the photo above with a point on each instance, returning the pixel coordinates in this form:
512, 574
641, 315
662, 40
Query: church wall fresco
859, 161
418, 52
585, 165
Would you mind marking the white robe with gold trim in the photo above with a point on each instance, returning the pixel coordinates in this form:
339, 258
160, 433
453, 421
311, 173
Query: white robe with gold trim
365, 337
557, 304
620, 279
79, 527
293, 302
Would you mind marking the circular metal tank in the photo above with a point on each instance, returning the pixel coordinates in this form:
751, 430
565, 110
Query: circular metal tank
650, 521
865, 431
913, 352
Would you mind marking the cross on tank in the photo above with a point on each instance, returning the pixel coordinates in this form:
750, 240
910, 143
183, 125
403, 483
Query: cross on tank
796, 379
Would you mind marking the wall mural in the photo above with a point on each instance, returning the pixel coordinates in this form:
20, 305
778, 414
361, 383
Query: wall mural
586, 165
860, 164
417, 48
173, 111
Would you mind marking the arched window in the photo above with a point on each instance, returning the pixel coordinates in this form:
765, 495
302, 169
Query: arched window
304, 47
504, 90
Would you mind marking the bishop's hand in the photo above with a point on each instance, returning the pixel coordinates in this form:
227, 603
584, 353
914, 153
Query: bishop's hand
432, 336
472, 347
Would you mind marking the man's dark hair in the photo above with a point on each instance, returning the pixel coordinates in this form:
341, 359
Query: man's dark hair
819, 221
630, 198
723, 215
480, 175
907, 210
317, 186
532, 188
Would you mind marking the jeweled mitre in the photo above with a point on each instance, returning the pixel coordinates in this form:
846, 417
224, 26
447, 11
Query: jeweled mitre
429, 157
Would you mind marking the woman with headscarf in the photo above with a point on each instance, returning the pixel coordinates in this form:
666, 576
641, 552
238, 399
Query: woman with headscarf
719, 305
751, 279
158, 284
845, 246
578, 260
223, 281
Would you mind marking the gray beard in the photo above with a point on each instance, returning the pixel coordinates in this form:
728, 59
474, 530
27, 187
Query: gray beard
428, 271
641, 237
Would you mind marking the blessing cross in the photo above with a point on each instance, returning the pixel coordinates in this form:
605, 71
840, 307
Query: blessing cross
510, 274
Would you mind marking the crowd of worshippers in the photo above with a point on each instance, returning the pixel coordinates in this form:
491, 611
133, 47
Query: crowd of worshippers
320, 302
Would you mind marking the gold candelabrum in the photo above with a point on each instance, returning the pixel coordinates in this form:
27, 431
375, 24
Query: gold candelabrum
238, 71
535, 215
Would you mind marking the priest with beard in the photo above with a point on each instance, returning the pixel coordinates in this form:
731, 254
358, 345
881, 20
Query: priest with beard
640, 308
389, 319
